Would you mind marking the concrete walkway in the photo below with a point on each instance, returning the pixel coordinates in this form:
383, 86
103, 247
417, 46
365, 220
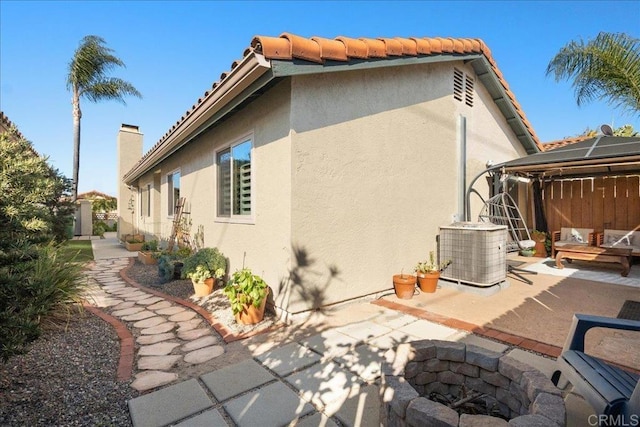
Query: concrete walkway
328, 378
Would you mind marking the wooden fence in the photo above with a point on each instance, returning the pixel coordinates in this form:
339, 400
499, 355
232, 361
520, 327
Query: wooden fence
598, 203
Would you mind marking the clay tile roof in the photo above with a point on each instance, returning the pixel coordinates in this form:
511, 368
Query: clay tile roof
377, 48
409, 46
303, 48
392, 46
318, 50
272, 47
355, 48
331, 49
552, 145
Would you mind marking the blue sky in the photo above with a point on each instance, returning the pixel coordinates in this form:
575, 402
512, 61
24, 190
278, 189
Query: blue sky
174, 51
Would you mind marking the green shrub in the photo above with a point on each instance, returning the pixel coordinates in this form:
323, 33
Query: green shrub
151, 246
99, 228
36, 293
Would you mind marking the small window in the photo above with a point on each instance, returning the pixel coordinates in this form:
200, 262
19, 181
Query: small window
234, 180
145, 201
173, 191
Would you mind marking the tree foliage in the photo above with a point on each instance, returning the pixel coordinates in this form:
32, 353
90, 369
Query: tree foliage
89, 78
34, 211
606, 68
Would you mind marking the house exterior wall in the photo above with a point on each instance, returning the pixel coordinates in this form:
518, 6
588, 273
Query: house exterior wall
375, 161
264, 243
353, 174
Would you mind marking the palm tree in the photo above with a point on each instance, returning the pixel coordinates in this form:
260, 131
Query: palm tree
607, 67
88, 78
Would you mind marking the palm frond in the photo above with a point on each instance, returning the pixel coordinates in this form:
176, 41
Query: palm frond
110, 88
607, 67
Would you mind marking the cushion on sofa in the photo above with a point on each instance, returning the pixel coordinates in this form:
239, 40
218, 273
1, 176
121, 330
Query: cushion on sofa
575, 235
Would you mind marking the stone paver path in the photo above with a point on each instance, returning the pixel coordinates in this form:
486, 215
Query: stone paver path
167, 333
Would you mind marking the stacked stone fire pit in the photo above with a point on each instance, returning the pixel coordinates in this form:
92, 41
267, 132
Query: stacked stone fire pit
420, 369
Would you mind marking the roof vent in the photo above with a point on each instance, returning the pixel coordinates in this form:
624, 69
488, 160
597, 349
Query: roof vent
463, 87
458, 84
468, 91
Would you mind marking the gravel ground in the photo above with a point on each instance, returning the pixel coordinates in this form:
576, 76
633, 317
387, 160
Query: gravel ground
68, 378
216, 303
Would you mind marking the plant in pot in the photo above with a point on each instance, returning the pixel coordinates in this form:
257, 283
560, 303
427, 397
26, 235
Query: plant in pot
170, 263
204, 268
404, 285
247, 293
134, 242
428, 273
149, 253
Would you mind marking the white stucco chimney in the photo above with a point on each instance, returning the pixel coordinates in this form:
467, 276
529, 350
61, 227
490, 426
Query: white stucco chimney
129, 152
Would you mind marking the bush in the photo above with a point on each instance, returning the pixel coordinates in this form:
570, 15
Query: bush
209, 258
151, 246
170, 263
36, 293
99, 228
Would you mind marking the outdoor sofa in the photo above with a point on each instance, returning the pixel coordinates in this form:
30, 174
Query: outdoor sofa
623, 239
572, 236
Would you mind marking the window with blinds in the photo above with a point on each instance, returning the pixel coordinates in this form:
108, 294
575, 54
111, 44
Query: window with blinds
234, 180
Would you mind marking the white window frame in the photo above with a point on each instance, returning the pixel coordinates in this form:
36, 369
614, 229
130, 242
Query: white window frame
171, 207
237, 219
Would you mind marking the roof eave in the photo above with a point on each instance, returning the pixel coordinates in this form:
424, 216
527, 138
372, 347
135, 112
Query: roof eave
494, 86
248, 71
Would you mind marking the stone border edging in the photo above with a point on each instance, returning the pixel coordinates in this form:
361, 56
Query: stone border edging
227, 335
127, 347
524, 394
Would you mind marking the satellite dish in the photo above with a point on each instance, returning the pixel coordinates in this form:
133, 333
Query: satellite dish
606, 130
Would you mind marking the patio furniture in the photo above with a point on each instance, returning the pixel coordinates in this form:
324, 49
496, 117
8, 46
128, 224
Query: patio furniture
501, 209
571, 236
610, 390
594, 253
620, 239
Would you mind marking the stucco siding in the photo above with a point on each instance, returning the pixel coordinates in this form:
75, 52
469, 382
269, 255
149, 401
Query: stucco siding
263, 244
374, 155
489, 137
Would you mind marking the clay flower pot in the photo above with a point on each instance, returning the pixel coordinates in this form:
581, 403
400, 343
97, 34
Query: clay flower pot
202, 289
428, 282
251, 315
404, 285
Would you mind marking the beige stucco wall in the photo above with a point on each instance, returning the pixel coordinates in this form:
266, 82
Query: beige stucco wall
354, 172
263, 244
375, 157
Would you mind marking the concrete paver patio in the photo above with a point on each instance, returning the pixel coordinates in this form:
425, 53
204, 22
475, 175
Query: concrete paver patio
324, 371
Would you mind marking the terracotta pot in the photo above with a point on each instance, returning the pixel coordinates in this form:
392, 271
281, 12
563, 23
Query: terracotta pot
404, 285
541, 250
251, 315
202, 289
428, 281
146, 257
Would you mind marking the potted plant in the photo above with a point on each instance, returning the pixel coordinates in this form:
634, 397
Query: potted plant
404, 285
540, 237
247, 294
428, 273
134, 243
203, 281
528, 252
170, 263
149, 253
207, 263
